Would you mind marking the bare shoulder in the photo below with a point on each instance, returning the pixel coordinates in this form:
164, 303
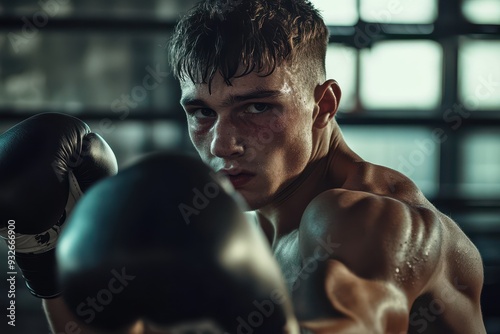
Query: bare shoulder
384, 181
380, 237
459, 258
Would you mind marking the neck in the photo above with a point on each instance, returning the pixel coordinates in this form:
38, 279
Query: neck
283, 214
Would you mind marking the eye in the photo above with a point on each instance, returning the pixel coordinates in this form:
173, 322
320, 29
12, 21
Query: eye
202, 113
258, 108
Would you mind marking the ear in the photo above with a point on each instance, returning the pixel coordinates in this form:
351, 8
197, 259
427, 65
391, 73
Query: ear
327, 98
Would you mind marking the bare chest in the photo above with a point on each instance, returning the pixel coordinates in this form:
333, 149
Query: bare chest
286, 252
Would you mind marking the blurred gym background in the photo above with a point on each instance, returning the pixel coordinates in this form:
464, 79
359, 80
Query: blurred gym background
420, 80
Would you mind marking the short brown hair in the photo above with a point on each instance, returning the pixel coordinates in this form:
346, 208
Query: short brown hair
259, 35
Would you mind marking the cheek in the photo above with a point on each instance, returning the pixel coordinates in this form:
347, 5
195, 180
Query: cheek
286, 132
299, 143
289, 149
199, 140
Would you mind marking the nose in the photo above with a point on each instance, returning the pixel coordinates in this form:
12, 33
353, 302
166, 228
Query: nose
226, 142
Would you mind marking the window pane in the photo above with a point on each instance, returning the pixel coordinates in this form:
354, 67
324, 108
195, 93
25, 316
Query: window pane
479, 74
337, 12
410, 150
398, 11
66, 71
482, 11
401, 74
341, 66
480, 175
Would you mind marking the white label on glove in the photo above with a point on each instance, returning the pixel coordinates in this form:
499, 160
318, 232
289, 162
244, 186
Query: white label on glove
45, 241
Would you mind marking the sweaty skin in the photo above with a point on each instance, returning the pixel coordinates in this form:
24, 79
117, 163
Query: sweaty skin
361, 248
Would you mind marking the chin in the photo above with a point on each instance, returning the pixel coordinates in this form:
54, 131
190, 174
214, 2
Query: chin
252, 201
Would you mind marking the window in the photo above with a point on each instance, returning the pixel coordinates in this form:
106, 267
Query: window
341, 66
401, 75
479, 74
337, 12
409, 150
480, 161
482, 11
398, 11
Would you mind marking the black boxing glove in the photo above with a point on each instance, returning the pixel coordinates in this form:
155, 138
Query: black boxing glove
170, 246
46, 162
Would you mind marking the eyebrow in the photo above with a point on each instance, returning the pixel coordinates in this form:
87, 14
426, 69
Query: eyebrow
233, 99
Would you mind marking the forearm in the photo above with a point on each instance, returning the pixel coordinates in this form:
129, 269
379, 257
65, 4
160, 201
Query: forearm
61, 320
386, 324
338, 301
327, 326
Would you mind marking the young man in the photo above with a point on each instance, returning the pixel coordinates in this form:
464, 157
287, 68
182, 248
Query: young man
360, 247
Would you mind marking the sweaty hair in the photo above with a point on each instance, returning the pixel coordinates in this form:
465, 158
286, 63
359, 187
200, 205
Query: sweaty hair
237, 37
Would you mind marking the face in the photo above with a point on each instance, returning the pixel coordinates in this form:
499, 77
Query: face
258, 131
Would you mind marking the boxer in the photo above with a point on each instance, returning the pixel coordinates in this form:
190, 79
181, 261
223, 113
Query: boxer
261, 112
360, 248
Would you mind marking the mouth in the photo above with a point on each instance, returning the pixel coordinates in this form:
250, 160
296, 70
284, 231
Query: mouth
238, 178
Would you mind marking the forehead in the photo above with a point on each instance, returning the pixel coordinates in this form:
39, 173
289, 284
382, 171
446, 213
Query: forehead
282, 79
